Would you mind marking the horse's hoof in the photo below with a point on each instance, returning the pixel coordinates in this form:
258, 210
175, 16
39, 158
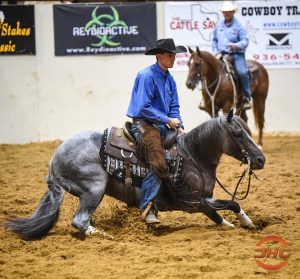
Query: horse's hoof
227, 224
244, 219
91, 230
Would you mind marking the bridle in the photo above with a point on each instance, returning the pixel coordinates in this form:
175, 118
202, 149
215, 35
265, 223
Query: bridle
246, 161
200, 77
247, 170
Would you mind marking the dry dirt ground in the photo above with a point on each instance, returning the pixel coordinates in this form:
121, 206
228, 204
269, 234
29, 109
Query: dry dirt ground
182, 246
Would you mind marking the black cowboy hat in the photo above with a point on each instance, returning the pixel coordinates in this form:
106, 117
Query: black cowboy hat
165, 46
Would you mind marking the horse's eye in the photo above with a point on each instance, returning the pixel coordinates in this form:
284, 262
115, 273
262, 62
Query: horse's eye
238, 133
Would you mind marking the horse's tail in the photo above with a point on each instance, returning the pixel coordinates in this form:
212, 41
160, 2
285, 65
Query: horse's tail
43, 219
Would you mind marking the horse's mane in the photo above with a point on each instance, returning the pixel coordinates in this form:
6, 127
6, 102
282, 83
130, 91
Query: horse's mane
202, 142
210, 59
244, 125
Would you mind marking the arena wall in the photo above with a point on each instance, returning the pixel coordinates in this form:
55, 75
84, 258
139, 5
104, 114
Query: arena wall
45, 97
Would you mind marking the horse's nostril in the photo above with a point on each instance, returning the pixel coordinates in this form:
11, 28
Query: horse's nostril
261, 161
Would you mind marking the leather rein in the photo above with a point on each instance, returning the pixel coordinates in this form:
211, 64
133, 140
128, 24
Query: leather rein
246, 161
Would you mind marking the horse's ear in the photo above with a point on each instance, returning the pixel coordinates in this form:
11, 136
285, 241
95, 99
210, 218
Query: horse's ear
198, 50
190, 50
229, 116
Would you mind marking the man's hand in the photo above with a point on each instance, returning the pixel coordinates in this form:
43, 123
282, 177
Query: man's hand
173, 123
233, 47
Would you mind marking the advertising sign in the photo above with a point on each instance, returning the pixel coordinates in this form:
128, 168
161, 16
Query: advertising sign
17, 30
104, 29
273, 27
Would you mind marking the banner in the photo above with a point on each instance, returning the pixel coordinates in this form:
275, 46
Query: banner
273, 26
17, 30
104, 29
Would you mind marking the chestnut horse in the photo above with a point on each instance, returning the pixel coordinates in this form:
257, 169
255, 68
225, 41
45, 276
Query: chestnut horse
218, 87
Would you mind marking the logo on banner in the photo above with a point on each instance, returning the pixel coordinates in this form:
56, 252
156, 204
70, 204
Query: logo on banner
200, 21
8, 33
279, 41
106, 27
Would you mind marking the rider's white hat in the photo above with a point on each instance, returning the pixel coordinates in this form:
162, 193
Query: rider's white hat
228, 6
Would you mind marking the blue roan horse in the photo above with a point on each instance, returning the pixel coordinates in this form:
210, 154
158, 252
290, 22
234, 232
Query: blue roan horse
75, 168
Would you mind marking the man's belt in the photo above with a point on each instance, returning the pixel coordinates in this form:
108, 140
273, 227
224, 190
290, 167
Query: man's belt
226, 53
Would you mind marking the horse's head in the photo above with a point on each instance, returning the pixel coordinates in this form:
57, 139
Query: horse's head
195, 69
238, 143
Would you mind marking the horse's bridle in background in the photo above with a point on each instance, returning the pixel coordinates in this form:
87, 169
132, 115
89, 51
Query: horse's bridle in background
217, 81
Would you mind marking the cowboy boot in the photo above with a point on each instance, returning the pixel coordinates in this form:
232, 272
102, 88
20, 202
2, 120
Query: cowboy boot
151, 218
149, 215
247, 103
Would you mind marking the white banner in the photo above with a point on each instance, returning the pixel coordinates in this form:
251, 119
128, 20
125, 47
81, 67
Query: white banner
273, 26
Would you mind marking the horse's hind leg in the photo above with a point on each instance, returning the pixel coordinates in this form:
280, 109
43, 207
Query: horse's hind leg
259, 111
89, 201
232, 206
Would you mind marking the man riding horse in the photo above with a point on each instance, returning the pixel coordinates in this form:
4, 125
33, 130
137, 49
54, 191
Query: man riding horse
154, 108
231, 38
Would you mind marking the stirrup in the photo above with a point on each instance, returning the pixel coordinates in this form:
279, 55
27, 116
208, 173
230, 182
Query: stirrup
247, 105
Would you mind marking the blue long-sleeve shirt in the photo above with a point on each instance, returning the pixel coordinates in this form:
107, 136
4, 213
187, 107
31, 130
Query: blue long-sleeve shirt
226, 34
154, 96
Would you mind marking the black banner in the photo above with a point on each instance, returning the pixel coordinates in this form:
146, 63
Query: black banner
17, 30
104, 29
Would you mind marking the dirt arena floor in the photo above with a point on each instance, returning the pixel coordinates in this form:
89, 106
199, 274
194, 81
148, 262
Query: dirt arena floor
182, 246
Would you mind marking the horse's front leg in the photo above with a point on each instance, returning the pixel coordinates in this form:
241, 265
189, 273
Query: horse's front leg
213, 215
232, 206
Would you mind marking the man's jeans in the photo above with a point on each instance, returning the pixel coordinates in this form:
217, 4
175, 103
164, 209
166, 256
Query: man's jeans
241, 68
151, 183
